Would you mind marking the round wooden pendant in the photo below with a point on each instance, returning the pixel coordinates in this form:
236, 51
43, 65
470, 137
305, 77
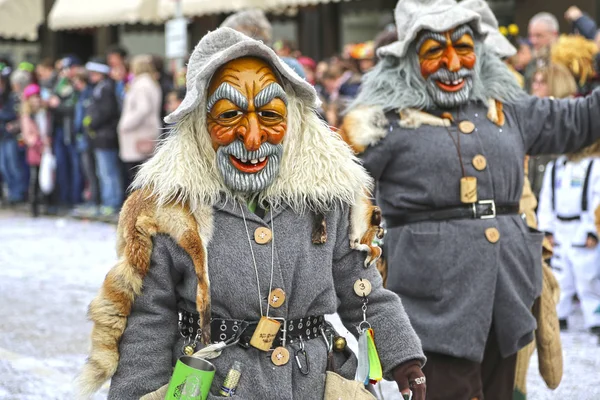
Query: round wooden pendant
362, 287
280, 356
263, 235
276, 298
466, 127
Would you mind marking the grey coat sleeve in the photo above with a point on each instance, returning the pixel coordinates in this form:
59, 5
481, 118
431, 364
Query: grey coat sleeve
562, 126
395, 338
146, 348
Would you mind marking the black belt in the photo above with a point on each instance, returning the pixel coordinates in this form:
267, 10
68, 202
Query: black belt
568, 219
230, 330
485, 209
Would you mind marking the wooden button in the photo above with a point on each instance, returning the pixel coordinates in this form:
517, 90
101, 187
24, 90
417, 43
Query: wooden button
280, 356
492, 235
479, 162
466, 127
276, 298
263, 235
362, 287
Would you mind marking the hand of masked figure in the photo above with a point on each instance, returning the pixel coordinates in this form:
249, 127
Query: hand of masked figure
410, 377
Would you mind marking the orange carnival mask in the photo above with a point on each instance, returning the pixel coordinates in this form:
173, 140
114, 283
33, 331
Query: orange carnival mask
446, 61
247, 121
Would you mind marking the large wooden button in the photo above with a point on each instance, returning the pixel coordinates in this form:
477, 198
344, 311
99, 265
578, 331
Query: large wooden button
276, 298
280, 356
466, 127
492, 235
479, 162
263, 235
362, 287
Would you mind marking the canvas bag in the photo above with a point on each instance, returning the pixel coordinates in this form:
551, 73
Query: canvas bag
47, 167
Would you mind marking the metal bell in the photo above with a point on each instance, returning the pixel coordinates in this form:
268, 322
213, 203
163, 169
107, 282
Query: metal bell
339, 343
188, 350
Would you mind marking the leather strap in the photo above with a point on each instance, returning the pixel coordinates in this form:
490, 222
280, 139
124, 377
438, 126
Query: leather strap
230, 330
481, 210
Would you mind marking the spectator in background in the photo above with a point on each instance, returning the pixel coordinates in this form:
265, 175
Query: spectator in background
581, 24
309, 67
554, 81
140, 124
543, 32
116, 57
11, 166
578, 54
62, 105
35, 128
102, 120
85, 148
254, 23
524, 55
174, 99
46, 77
165, 80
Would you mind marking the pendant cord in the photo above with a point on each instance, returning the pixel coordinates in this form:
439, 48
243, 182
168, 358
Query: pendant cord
254, 260
272, 260
457, 146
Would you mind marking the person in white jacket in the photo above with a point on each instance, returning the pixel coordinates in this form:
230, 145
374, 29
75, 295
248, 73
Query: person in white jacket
139, 126
570, 195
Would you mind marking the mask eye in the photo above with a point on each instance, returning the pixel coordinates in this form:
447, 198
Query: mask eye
230, 114
268, 114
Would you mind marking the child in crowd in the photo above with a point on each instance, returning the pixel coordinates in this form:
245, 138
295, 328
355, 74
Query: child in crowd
35, 131
91, 207
174, 99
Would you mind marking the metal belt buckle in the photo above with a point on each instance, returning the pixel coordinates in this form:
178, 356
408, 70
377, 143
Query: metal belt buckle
491, 203
283, 330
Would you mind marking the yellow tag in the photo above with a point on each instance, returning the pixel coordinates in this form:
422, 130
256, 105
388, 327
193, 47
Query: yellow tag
468, 190
265, 333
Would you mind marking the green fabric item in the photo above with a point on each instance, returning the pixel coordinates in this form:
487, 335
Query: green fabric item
252, 205
518, 395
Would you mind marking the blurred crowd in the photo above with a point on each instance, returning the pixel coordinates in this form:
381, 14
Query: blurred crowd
73, 133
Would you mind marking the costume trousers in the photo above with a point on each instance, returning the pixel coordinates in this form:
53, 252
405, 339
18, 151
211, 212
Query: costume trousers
451, 378
577, 270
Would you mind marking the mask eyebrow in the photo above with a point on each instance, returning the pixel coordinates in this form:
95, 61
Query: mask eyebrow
460, 32
438, 37
272, 91
227, 92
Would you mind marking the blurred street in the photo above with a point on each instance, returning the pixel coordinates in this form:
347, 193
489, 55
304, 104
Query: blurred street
51, 269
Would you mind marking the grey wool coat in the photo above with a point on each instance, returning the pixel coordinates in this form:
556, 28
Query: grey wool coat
454, 283
317, 279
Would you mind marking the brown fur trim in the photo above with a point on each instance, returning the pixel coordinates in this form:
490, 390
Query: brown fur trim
140, 220
364, 127
319, 234
365, 221
495, 112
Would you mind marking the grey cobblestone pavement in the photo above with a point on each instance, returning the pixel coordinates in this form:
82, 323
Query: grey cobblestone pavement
50, 269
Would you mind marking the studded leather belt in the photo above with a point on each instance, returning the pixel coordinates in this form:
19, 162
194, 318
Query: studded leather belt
485, 209
230, 330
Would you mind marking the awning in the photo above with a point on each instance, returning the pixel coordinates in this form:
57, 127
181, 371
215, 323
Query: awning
20, 19
74, 14
190, 8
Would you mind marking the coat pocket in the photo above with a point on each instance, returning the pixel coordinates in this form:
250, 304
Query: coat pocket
418, 264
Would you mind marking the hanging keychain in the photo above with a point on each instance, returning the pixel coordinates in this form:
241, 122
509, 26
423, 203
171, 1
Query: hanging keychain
369, 366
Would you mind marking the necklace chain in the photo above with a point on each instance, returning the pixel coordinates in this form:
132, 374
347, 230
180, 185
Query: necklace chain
254, 260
